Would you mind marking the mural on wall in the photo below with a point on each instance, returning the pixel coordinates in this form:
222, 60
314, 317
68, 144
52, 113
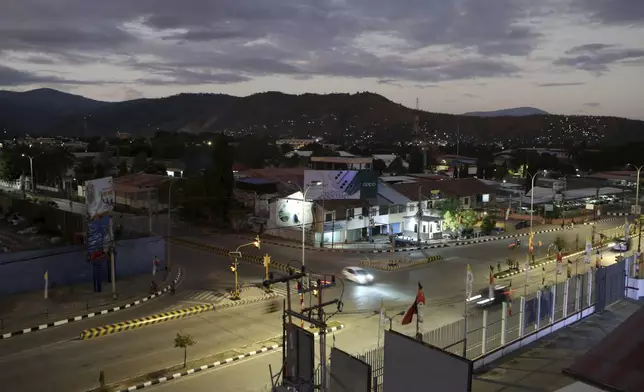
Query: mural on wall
289, 213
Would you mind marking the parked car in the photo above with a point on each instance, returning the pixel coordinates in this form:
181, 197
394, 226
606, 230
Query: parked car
357, 275
467, 233
521, 225
52, 204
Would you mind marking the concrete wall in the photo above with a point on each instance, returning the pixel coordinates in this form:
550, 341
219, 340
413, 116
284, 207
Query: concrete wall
24, 271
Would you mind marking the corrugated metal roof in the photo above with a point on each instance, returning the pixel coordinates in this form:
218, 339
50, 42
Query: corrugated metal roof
617, 362
390, 194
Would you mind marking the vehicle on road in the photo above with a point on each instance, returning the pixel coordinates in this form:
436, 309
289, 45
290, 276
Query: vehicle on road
620, 245
521, 225
487, 298
51, 204
515, 244
357, 275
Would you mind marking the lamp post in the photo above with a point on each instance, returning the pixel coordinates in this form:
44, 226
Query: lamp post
304, 192
637, 186
527, 262
235, 266
31, 167
169, 231
532, 199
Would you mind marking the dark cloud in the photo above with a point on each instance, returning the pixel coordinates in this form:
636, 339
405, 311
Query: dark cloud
10, 77
225, 41
597, 58
615, 12
565, 84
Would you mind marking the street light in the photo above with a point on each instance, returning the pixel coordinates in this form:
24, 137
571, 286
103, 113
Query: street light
391, 319
31, 166
304, 192
235, 266
637, 186
167, 241
532, 198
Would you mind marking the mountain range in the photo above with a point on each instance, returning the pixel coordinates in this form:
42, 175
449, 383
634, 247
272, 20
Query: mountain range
346, 117
514, 112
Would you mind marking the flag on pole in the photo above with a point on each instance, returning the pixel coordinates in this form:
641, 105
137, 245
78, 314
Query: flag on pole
383, 316
469, 280
588, 251
531, 243
46, 275
413, 309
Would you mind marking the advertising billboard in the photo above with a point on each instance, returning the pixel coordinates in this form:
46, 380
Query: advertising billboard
99, 196
348, 373
411, 365
341, 184
288, 212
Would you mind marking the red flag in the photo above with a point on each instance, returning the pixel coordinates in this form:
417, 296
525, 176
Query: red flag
413, 309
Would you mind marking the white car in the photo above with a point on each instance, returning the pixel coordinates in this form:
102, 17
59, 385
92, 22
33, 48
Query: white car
357, 275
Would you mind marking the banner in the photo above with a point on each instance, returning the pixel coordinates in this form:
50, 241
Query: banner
99, 196
98, 239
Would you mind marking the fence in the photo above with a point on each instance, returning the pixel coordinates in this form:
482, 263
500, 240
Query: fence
493, 328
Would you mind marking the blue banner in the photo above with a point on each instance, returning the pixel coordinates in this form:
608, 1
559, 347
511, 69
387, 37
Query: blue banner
530, 312
98, 238
546, 304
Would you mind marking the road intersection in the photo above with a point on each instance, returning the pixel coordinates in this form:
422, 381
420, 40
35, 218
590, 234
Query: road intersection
74, 365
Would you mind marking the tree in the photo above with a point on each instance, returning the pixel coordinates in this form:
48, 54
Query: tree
560, 243
10, 166
416, 162
122, 169
379, 165
184, 341
220, 181
140, 162
454, 216
468, 218
397, 166
487, 224
84, 170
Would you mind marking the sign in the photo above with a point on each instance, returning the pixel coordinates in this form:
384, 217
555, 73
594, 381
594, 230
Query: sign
368, 184
341, 184
98, 240
99, 196
548, 207
636, 210
590, 206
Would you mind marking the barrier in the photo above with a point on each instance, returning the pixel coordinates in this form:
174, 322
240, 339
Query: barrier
93, 333
394, 265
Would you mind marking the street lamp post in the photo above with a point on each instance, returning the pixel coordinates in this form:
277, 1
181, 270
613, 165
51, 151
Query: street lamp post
169, 229
304, 192
527, 263
31, 167
637, 185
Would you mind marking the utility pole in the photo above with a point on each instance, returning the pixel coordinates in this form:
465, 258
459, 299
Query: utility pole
150, 211
419, 214
320, 322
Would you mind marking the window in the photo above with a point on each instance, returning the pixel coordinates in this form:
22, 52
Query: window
412, 208
351, 213
383, 210
416, 228
328, 217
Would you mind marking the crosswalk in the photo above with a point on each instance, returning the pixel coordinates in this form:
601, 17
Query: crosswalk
203, 296
280, 289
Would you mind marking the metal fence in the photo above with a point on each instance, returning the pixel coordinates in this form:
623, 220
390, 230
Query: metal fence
490, 329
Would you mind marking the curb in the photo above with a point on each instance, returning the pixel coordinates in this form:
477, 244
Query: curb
92, 314
431, 246
246, 301
397, 266
213, 365
618, 213
93, 333
540, 264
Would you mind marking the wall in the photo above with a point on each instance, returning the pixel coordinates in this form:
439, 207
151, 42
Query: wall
23, 271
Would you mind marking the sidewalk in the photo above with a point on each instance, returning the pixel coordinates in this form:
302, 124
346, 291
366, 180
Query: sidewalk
27, 310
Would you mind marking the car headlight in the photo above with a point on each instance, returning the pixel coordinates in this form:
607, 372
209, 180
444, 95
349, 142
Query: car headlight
360, 279
370, 277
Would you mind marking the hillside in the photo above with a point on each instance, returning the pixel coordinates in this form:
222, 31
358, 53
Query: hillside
343, 117
514, 112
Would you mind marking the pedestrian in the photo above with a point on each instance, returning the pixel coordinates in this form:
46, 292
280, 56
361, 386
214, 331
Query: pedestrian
155, 265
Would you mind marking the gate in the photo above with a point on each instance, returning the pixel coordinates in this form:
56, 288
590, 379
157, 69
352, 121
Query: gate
610, 285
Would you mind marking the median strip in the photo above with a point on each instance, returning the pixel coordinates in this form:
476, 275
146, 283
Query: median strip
395, 265
93, 333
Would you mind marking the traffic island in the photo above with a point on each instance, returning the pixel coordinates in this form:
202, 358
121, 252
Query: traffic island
198, 365
396, 265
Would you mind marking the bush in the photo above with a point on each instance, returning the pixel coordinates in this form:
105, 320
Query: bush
487, 225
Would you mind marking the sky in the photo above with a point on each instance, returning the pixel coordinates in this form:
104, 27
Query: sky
455, 56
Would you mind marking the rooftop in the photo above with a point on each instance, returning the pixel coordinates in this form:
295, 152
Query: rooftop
451, 188
138, 181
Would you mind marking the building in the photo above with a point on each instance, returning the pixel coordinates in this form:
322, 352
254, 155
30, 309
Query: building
341, 163
142, 190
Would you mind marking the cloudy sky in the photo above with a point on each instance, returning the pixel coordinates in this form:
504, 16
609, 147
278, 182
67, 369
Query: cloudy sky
563, 56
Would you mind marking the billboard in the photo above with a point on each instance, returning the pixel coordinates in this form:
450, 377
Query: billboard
288, 212
99, 196
341, 184
300, 358
411, 365
348, 373
98, 238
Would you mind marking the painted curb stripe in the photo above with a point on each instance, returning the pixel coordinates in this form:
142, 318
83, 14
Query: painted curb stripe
92, 314
399, 266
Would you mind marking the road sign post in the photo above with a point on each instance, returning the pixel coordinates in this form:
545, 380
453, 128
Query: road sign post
46, 284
